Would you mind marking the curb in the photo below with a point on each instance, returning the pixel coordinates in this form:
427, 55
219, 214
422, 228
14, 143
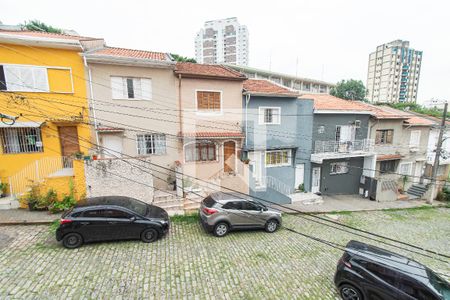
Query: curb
24, 222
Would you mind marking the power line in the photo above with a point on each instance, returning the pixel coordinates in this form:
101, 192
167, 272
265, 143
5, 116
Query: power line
289, 208
145, 130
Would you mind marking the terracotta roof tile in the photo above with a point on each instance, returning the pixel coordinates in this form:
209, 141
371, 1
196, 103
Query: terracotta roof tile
418, 121
207, 71
388, 157
328, 102
266, 87
47, 35
131, 53
207, 134
110, 129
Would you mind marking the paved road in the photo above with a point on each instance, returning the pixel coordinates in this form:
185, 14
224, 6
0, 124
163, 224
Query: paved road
189, 264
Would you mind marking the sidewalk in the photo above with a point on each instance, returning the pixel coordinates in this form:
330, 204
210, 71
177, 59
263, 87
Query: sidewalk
24, 216
355, 203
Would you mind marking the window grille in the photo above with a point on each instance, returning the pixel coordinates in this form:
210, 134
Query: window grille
21, 140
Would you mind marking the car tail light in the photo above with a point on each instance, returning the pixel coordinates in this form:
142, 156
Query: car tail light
64, 221
346, 263
209, 211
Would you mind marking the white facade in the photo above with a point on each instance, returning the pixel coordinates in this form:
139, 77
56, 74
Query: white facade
222, 41
393, 73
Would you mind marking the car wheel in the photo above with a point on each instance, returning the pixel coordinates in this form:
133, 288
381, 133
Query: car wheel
221, 229
271, 226
349, 292
149, 235
72, 240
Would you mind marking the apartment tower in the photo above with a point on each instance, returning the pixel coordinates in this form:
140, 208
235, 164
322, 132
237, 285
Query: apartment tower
222, 41
393, 73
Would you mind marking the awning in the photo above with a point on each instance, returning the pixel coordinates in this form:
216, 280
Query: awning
389, 157
216, 135
110, 129
22, 125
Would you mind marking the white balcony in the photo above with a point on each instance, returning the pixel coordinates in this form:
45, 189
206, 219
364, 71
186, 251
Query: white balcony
338, 149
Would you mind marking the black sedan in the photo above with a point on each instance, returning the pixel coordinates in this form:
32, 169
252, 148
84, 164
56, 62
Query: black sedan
111, 218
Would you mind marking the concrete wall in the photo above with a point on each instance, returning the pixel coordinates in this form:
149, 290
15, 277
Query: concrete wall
102, 179
330, 121
305, 123
341, 183
160, 114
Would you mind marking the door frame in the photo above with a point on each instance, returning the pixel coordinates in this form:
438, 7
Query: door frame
235, 154
296, 182
312, 179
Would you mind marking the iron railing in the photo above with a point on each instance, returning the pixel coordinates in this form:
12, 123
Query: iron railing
365, 145
36, 171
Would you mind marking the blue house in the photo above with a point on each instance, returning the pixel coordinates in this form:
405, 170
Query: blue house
278, 140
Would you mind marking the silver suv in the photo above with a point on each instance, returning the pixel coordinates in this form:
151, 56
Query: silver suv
222, 212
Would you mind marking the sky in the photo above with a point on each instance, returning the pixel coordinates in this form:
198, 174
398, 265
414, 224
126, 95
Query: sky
330, 39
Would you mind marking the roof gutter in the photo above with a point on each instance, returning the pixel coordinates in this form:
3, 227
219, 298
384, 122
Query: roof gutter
127, 61
40, 42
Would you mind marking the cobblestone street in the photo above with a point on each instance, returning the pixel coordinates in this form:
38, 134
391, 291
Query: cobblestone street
190, 264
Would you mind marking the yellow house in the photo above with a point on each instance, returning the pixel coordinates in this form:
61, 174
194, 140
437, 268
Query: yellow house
43, 83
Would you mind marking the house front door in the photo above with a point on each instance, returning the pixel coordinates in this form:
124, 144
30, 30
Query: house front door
417, 172
112, 145
299, 175
68, 137
229, 156
315, 185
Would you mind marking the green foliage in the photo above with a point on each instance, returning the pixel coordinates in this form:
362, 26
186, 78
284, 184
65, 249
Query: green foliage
34, 199
443, 195
36, 25
3, 187
301, 187
180, 58
188, 218
434, 112
404, 181
349, 89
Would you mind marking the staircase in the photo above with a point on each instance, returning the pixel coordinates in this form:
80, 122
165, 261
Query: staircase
416, 191
168, 201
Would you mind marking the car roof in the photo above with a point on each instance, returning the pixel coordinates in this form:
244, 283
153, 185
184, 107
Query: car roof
120, 201
394, 261
226, 197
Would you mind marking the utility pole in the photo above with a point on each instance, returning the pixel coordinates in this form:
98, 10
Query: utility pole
437, 156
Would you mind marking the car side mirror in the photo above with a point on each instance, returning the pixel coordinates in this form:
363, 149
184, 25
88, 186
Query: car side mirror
132, 219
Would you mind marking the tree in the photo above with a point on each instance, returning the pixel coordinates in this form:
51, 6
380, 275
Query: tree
182, 58
36, 25
349, 89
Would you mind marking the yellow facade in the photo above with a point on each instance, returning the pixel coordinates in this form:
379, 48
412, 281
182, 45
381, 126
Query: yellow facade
64, 105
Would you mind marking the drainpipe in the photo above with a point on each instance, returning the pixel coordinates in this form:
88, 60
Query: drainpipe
91, 103
180, 104
247, 100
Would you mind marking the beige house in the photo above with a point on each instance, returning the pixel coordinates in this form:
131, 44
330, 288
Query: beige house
134, 107
211, 137
401, 141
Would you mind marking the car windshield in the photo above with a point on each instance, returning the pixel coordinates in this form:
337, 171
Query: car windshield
439, 284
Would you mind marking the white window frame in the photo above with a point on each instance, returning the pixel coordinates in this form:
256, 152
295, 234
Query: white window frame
343, 165
138, 94
205, 112
153, 135
410, 168
48, 83
261, 115
289, 158
201, 161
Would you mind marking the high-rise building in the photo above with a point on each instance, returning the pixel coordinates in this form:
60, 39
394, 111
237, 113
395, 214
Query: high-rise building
222, 41
393, 73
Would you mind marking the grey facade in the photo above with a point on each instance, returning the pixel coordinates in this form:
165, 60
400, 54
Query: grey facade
291, 137
341, 152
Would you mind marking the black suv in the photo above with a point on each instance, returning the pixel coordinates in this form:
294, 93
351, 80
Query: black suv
368, 272
111, 218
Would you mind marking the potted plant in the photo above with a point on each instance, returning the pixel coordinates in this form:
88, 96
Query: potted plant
78, 155
3, 188
246, 161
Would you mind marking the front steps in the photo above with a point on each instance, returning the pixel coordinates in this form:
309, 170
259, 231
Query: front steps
9, 202
416, 191
305, 198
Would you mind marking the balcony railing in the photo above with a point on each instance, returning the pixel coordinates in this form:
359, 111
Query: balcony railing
365, 145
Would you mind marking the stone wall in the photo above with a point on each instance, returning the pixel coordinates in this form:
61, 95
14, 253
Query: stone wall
121, 177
